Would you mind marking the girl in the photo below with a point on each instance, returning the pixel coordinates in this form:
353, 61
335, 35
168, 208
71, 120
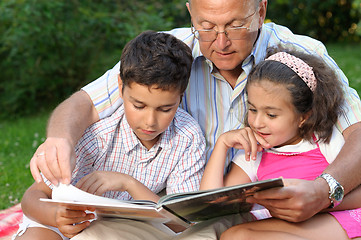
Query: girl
293, 108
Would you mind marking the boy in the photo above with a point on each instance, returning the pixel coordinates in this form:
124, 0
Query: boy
147, 145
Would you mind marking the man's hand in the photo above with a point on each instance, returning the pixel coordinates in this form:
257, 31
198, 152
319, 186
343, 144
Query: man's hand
71, 220
55, 158
297, 201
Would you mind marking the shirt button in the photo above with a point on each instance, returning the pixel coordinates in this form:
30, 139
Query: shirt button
231, 110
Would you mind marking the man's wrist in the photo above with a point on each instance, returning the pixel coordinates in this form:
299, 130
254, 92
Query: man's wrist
336, 191
323, 192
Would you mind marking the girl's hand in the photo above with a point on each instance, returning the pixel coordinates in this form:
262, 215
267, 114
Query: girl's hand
71, 220
100, 182
246, 139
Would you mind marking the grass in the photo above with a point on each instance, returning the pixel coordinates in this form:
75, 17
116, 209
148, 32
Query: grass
18, 141
19, 138
348, 58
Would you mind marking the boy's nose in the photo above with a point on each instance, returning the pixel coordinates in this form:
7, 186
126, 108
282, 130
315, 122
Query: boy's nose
151, 119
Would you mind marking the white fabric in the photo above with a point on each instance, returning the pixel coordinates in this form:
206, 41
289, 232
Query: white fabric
28, 223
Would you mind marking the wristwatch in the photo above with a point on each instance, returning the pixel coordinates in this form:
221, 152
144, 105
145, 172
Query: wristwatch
336, 190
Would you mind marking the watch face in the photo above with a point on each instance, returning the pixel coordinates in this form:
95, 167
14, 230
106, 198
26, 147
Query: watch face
338, 194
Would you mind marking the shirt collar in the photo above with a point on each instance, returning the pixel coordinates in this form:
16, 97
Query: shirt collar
259, 50
196, 53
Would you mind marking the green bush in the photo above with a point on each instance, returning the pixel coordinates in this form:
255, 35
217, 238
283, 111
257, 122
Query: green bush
328, 21
49, 48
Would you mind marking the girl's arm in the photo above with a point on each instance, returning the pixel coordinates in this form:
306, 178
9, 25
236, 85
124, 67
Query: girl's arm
213, 173
241, 139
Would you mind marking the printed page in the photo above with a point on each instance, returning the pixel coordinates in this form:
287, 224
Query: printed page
218, 202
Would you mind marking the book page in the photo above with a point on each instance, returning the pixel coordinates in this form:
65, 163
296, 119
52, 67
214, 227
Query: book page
69, 192
112, 208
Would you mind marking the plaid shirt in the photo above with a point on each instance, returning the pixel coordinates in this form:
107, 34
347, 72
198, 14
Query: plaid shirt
176, 162
211, 100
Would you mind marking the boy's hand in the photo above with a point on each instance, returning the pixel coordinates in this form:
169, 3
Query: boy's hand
71, 220
246, 139
55, 158
100, 182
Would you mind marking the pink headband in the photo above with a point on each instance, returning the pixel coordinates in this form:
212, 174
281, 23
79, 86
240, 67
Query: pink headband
302, 69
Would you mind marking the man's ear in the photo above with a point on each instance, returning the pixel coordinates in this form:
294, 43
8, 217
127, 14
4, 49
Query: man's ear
120, 85
188, 7
304, 118
262, 12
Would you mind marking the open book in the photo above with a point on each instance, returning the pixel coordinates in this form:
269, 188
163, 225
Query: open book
182, 208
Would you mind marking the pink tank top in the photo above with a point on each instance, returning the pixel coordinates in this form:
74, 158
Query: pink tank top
306, 165
301, 165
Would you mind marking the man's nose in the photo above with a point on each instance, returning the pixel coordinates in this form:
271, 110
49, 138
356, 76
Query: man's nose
222, 40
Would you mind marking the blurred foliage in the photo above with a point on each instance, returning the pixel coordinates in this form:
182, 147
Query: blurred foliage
49, 49
327, 21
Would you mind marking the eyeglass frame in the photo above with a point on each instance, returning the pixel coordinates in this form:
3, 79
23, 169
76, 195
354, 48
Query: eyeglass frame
194, 30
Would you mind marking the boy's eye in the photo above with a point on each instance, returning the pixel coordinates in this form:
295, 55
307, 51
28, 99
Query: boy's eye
138, 107
272, 115
252, 110
165, 109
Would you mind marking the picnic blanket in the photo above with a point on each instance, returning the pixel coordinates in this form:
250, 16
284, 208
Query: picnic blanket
9, 221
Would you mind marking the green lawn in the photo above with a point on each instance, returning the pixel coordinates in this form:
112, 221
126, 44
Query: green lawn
348, 58
19, 138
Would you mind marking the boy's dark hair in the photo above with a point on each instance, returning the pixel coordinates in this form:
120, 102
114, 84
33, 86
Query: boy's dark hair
156, 59
324, 104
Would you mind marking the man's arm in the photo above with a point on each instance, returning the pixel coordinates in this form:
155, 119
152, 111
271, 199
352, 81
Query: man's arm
301, 199
55, 158
347, 165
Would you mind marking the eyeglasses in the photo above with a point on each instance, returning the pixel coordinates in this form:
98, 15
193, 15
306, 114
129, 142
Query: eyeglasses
232, 33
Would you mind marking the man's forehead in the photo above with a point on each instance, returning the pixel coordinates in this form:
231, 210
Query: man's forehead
245, 1
221, 11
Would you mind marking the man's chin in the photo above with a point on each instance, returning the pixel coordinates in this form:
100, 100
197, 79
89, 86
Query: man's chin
227, 66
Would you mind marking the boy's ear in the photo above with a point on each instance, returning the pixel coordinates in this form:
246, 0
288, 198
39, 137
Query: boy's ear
304, 117
120, 85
